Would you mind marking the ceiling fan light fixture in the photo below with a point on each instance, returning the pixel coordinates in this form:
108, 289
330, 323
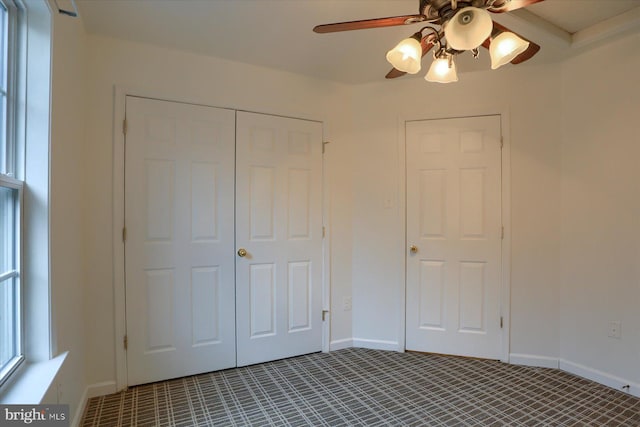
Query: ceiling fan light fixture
468, 29
442, 70
505, 47
407, 55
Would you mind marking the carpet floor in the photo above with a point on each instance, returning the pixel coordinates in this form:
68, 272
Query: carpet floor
360, 387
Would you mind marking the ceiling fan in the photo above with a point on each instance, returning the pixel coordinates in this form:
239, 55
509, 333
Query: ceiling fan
452, 27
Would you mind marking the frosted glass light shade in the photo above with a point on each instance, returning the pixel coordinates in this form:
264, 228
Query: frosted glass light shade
468, 28
440, 72
406, 56
505, 47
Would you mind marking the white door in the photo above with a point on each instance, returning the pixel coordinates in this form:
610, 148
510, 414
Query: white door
179, 250
454, 225
279, 225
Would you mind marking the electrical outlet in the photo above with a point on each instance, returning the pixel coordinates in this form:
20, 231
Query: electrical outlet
346, 304
615, 329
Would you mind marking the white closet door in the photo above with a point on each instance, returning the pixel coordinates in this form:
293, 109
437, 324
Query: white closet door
179, 261
279, 224
454, 223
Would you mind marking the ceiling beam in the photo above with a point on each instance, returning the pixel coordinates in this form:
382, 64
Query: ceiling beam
611, 27
539, 29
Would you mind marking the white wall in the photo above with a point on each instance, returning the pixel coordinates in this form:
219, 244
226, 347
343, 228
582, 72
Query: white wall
67, 207
188, 77
530, 96
601, 210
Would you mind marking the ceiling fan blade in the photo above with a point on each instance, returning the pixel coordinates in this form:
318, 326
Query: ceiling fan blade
501, 6
394, 73
427, 44
369, 23
524, 56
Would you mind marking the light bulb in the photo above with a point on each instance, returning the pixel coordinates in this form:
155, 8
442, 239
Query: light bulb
442, 71
406, 56
505, 47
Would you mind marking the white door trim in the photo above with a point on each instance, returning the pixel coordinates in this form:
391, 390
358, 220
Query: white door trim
326, 247
505, 305
119, 290
120, 326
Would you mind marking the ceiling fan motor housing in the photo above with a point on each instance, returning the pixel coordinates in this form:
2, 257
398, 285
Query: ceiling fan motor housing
468, 28
443, 9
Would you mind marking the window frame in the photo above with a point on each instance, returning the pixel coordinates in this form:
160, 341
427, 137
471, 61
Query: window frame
11, 46
16, 273
11, 171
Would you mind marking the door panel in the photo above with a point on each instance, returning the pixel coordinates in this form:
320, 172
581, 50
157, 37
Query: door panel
454, 220
300, 291
179, 261
279, 223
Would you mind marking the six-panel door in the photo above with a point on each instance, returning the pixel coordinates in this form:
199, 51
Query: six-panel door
279, 224
179, 251
454, 222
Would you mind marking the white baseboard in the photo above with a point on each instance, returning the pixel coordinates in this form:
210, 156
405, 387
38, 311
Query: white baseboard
600, 377
340, 344
576, 369
377, 344
532, 360
92, 390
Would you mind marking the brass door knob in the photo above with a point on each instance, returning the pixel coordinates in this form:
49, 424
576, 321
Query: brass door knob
242, 253
413, 249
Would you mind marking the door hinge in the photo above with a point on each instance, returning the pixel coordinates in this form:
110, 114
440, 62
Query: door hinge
502, 233
324, 232
501, 322
501, 141
324, 314
125, 342
124, 234
124, 126
323, 145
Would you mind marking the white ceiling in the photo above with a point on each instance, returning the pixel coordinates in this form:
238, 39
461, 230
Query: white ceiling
573, 15
278, 33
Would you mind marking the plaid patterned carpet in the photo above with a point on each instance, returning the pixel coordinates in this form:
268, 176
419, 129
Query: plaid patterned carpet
360, 387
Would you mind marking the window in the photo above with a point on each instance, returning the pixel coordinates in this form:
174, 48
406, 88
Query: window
11, 354
10, 319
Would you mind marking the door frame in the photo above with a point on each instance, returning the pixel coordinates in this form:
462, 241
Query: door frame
120, 94
505, 292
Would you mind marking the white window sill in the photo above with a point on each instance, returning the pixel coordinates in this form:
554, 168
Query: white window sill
32, 382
